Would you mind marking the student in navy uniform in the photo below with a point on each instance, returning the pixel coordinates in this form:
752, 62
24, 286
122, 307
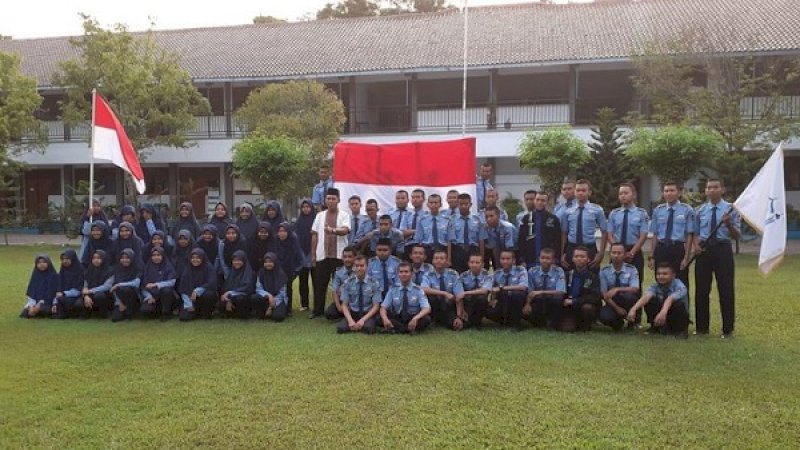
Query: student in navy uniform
42, 288
548, 287
673, 232
383, 266
126, 214
568, 194
231, 241
126, 239
582, 301
492, 197
452, 204
433, 228
385, 231
158, 239
367, 224
538, 229
273, 214
419, 267
70, 285
360, 300
148, 222
320, 189
261, 244
291, 258
302, 227
239, 285
473, 301
247, 222
467, 234
628, 225
413, 221
334, 310
99, 238
442, 285
619, 286
209, 242
94, 213
220, 218
186, 220
158, 286
499, 237
354, 202
509, 292
197, 287
184, 243
95, 294
666, 303
715, 257
579, 225
127, 278
269, 299
483, 184
528, 198
405, 308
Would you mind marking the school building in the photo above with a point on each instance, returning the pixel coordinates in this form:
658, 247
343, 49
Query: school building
400, 78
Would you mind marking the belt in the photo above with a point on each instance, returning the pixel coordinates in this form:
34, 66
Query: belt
709, 243
670, 242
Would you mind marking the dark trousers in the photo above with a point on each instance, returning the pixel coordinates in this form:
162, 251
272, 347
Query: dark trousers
261, 304
475, 306
165, 302
323, 273
203, 307
716, 260
441, 309
570, 249
547, 310
333, 313
610, 318
508, 309
242, 306
677, 316
130, 298
67, 307
580, 315
490, 258
101, 302
400, 324
290, 290
369, 325
304, 275
673, 254
638, 262
460, 257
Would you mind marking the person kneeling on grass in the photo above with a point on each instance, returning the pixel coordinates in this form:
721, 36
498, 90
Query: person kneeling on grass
666, 303
472, 302
95, 295
548, 286
619, 285
405, 308
269, 300
42, 289
198, 287
70, 284
334, 310
126, 286
237, 288
583, 294
509, 292
158, 285
360, 300
442, 286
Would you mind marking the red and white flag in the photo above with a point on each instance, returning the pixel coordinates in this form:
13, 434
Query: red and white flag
379, 171
111, 144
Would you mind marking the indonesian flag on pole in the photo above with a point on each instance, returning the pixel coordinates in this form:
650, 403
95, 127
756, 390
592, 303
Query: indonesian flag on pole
763, 206
379, 171
111, 144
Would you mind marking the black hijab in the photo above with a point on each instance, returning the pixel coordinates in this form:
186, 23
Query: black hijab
220, 223
96, 276
240, 280
228, 247
167, 249
103, 243
70, 277
211, 248
156, 273
182, 253
100, 217
133, 243
187, 223
302, 227
248, 227
141, 223
193, 277
290, 255
43, 284
124, 274
273, 204
272, 280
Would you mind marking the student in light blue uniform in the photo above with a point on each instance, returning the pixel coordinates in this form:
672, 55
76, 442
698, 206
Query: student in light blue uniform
368, 223
99, 278
158, 286
269, 300
238, 287
400, 215
499, 236
492, 199
334, 310
510, 291
325, 183
383, 266
413, 220
473, 301
548, 286
483, 184
579, 225
42, 288
127, 277
467, 234
361, 300
433, 229
452, 204
354, 202
666, 303
385, 231
405, 308
673, 232
197, 287
419, 267
568, 194
442, 286
629, 225
619, 286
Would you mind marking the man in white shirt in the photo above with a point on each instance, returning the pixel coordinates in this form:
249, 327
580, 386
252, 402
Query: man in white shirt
328, 240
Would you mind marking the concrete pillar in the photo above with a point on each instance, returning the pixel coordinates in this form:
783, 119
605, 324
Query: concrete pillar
573, 91
173, 187
227, 92
413, 102
226, 184
491, 120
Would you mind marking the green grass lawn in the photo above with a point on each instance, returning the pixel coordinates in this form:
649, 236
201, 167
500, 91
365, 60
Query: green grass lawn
94, 384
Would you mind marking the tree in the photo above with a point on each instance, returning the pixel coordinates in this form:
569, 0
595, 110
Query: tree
675, 152
608, 165
267, 20
555, 153
692, 80
349, 8
416, 6
152, 95
269, 162
9, 195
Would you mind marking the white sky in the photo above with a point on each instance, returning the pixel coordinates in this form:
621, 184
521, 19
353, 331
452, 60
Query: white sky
44, 18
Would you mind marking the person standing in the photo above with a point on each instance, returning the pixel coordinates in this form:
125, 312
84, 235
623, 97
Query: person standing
628, 225
673, 231
538, 229
568, 192
328, 239
320, 190
467, 234
483, 184
579, 225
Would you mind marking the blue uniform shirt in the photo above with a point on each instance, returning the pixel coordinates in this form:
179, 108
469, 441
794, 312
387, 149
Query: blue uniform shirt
500, 237
556, 280
516, 276
401, 219
676, 288
447, 212
412, 224
484, 280
481, 186
340, 276
628, 277
393, 301
318, 193
424, 233
355, 228
365, 226
375, 270
452, 283
682, 222
703, 221
593, 219
394, 235
476, 230
420, 272
503, 215
563, 207
369, 293
638, 224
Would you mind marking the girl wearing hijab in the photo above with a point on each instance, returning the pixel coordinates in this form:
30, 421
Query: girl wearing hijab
269, 300
149, 222
125, 290
126, 239
302, 228
262, 243
247, 222
230, 243
158, 239
290, 257
186, 221
93, 214
238, 287
220, 218
42, 288
126, 214
99, 239
70, 285
184, 243
273, 214
99, 278
198, 287
158, 285
209, 242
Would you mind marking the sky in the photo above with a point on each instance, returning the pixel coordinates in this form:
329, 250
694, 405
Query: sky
47, 18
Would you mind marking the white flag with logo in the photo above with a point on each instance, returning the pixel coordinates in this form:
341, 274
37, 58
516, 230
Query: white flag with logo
763, 206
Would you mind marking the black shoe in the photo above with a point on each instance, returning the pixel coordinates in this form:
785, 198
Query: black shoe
700, 333
682, 335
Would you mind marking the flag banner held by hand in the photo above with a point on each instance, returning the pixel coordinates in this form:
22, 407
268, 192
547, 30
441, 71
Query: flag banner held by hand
110, 143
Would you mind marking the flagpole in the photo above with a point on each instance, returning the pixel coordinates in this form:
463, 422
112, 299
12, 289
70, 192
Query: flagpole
91, 152
464, 83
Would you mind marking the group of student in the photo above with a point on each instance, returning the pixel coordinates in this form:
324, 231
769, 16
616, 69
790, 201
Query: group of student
408, 268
